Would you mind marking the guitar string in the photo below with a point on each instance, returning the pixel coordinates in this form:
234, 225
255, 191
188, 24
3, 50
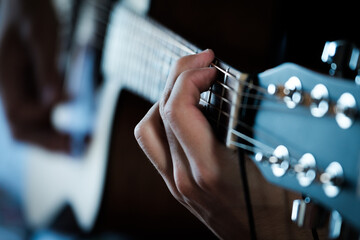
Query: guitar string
160, 63
243, 106
237, 122
244, 146
171, 54
259, 146
245, 94
185, 48
168, 39
250, 96
248, 106
266, 150
251, 106
226, 73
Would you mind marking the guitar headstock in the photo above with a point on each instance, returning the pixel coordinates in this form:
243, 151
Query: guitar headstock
307, 136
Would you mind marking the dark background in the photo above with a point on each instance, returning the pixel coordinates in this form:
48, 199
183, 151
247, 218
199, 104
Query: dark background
253, 36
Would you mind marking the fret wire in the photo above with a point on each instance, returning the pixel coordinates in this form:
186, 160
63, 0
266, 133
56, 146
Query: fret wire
238, 144
164, 35
132, 60
102, 21
147, 81
292, 159
222, 94
170, 38
102, 5
260, 97
183, 47
222, 84
210, 92
140, 58
153, 40
226, 86
250, 85
246, 126
256, 143
225, 72
230, 116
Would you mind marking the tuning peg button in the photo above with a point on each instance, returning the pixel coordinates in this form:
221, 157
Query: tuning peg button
354, 63
343, 59
345, 110
292, 92
336, 54
335, 222
332, 179
306, 169
307, 214
279, 161
320, 101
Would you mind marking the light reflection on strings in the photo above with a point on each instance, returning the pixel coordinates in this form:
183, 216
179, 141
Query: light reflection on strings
170, 47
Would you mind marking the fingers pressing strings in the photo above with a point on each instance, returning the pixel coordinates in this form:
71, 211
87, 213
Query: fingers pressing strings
189, 62
156, 137
182, 172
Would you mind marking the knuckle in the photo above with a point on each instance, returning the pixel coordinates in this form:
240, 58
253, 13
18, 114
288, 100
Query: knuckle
170, 112
207, 180
143, 136
139, 132
180, 63
162, 108
184, 187
186, 76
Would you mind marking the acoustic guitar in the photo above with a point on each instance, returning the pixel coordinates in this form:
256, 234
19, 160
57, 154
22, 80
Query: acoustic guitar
299, 127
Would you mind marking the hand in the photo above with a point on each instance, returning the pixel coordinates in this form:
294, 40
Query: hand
201, 173
29, 78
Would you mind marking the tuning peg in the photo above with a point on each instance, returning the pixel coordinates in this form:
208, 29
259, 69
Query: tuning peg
343, 59
335, 222
307, 214
338, 229
306, 169
332, 179
278, 160
354, 63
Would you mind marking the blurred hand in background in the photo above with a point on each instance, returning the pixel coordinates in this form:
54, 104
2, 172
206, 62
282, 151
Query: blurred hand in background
30, 81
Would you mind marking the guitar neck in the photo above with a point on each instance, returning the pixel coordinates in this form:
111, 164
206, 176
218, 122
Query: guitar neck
139, 48
271, 116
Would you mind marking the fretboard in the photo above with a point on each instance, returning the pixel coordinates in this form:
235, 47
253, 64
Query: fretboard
139, 52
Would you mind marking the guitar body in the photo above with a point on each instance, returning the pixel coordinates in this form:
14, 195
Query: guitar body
127, 195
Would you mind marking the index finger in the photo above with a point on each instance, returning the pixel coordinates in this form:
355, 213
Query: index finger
189, 62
